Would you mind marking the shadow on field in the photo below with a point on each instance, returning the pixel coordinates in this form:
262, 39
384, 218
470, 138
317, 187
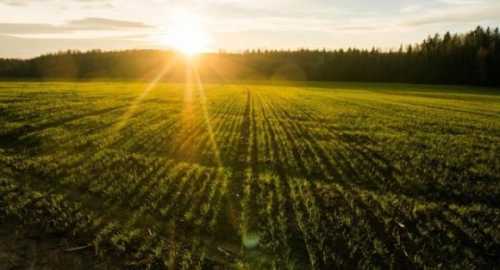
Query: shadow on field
20, 137
25, 247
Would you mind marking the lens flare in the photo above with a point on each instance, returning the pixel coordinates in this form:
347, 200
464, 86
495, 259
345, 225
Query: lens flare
186, 34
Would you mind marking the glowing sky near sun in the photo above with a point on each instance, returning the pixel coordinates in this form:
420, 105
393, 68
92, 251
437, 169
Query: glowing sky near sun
31, 27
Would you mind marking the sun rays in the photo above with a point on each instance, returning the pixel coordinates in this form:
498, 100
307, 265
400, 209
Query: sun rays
203, 103
137, 101
195, 95
195, 103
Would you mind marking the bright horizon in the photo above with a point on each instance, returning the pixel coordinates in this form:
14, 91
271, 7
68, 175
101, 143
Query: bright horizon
30, 28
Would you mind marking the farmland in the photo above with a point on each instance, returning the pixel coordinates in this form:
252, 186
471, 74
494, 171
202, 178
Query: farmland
256, 176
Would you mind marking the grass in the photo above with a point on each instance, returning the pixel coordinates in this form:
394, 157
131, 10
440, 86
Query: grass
255, 176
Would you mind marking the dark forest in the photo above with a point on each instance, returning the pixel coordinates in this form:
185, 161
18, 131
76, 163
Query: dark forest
471, 58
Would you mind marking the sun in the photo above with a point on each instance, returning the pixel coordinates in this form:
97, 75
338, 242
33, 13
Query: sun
186, 34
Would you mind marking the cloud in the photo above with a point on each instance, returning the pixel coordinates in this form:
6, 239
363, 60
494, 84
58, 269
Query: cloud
475, 14
30, 28
21, 3
411, 8
86, 24
102, 23
14, 2
26, 2
357, 28
461, 2
30, 47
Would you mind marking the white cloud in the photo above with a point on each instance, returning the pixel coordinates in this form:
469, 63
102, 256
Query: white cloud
457, 14
30, 47
85, 24
461, 2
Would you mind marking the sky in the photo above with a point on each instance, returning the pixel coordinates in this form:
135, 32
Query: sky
29, 28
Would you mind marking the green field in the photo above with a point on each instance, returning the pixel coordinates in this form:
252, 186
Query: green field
255, 176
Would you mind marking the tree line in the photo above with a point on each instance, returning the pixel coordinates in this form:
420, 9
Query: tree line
471, 58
